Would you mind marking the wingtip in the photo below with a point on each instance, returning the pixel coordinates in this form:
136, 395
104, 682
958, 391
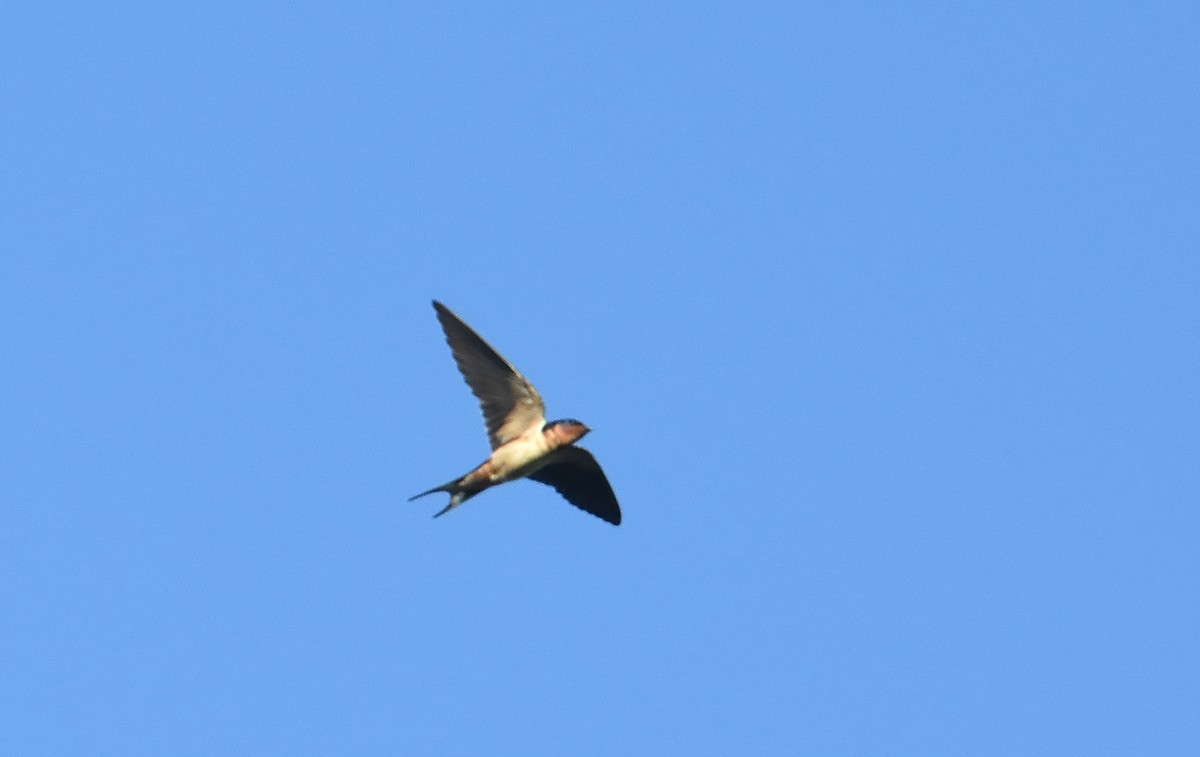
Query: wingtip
444, 312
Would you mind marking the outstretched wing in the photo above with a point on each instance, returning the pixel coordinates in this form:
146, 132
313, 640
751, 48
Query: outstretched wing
576, 475
510, 403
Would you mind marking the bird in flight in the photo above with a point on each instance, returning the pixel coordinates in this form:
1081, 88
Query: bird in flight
524, 444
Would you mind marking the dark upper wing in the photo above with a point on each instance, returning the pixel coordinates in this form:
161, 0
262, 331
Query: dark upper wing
510, 403
578, 477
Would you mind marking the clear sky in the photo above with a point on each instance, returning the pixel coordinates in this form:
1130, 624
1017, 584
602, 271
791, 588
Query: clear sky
887, 321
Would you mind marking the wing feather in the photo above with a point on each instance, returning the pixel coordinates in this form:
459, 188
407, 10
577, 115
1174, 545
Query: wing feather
509, 402
575, 474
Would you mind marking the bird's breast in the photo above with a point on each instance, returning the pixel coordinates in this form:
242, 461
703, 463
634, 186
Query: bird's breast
519, 457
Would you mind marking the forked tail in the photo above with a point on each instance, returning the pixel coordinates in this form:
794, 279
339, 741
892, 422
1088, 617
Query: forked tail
446, 487
458, 494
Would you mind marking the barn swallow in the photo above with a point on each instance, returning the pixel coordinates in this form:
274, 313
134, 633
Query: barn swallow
524, 444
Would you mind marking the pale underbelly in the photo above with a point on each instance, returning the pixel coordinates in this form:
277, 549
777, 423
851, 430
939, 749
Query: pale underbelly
518, 458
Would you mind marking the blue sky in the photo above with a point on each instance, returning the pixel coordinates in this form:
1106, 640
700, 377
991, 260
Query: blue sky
885, 320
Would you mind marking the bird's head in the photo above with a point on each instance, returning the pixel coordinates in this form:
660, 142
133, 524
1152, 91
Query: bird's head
565, 431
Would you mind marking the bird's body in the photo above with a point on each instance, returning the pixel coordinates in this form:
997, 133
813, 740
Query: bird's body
524, 445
